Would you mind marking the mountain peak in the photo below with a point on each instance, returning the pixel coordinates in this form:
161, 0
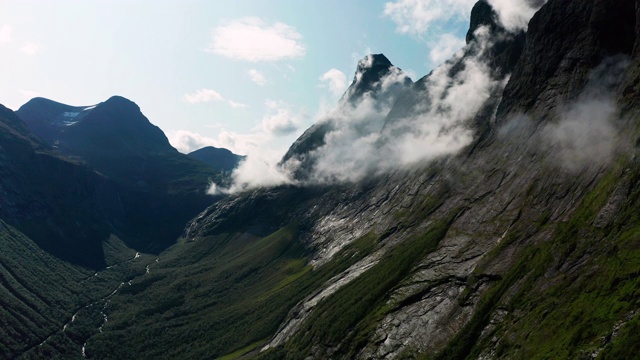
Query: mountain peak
372, 60
122, 102
369, 76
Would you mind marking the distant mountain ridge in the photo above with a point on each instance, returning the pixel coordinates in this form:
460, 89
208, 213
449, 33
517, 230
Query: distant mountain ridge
218, 158
161, 188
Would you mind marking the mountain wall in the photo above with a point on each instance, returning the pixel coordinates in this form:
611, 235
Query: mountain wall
521, 245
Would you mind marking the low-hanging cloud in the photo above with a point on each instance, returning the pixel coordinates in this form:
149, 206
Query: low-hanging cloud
583, 133
280, 120
336, 80
362, 141
514, 15
251, 39
445, 47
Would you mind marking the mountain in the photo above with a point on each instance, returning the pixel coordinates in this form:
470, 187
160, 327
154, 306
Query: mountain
495, 216
376, 83
63, 206
161, 188
115, 138
218, 158
58, 224
522, 243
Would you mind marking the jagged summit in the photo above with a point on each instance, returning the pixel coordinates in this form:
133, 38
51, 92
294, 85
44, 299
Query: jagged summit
376, 79
371, 70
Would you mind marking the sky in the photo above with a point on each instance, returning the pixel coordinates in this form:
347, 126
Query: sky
249, 76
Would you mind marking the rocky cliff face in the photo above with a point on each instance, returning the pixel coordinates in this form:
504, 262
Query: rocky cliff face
502, 244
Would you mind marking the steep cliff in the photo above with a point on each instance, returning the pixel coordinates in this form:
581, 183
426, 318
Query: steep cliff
520, 245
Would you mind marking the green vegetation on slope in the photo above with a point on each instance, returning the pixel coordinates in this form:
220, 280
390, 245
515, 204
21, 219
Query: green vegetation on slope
40, 294
555, 311
346, 319
216, 296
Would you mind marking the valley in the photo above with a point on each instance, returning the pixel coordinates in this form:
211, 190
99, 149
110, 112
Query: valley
488, 210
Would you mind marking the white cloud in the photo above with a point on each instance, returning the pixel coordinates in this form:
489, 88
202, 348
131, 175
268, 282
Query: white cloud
257, 77
361, 141
237, 105
187, 141
251, 39
336, 80
515, 14
281, 122
415, 17
208, 95
259, 169
29, 94
444, 48
5, 33
585, 134
203, 95
30, 48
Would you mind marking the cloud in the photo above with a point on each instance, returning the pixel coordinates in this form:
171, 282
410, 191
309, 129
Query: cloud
280, 120
336, 80
30, 48
203, 95
358, 138
514, 15
257, 77
187, 141
362, 140
251, 39
237, 105
416, 17
585, 134
259, 169
29, 94
6, 31
208, 95
444, 48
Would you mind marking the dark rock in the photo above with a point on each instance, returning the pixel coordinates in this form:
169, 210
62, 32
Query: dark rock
218, 158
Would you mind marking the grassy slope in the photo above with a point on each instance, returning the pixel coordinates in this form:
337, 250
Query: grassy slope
39, 295
216, 296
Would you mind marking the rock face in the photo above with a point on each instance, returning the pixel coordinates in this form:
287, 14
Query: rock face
523, 227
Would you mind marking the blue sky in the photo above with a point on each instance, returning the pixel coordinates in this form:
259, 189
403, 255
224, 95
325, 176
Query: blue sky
246, 75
